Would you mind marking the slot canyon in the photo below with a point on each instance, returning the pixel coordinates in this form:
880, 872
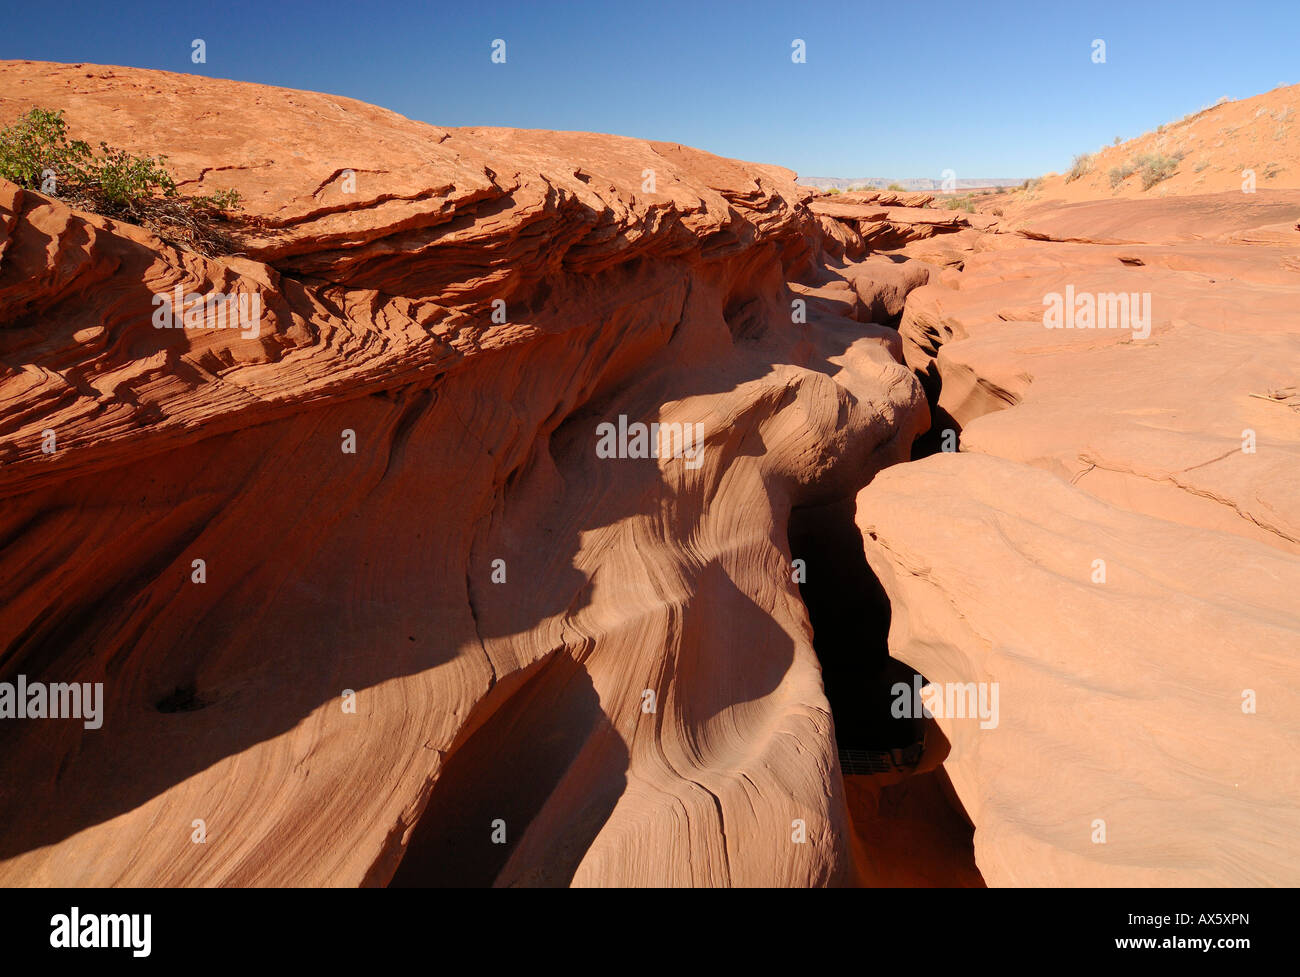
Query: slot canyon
368, 605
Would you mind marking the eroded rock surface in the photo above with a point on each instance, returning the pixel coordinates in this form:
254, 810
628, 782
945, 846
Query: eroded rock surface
1184, 407
607, 656
1110, 537
1121, 754
429, 612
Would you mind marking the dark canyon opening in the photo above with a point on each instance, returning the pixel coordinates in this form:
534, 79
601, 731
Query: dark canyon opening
850, 616
909, 820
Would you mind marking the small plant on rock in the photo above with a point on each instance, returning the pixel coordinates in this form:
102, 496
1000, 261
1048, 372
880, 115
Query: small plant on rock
36, 154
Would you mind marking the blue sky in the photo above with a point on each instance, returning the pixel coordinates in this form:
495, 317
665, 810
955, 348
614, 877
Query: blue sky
896, 89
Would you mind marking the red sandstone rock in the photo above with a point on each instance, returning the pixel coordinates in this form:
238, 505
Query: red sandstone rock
1123, 752
477, 699
500, 598
1161, 424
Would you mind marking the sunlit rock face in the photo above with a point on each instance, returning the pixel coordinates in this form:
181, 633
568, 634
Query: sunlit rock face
1108, 537
372, 574
537, 508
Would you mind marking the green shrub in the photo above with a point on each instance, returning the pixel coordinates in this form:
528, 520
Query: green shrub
895, 186
1119, 174
123, 180
36, 154
37, 145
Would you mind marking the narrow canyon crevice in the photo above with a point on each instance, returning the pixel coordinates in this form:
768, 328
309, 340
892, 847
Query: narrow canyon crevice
911, 825
850, 617
944, 433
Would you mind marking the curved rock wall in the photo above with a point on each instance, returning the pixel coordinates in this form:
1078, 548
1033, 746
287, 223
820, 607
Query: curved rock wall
607, 657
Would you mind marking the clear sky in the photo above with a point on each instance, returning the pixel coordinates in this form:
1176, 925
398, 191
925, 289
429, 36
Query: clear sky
899, 89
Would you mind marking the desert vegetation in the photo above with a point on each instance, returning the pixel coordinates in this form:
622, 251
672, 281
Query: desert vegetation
1081, 168
1118, 174
36, 154
1155, 167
